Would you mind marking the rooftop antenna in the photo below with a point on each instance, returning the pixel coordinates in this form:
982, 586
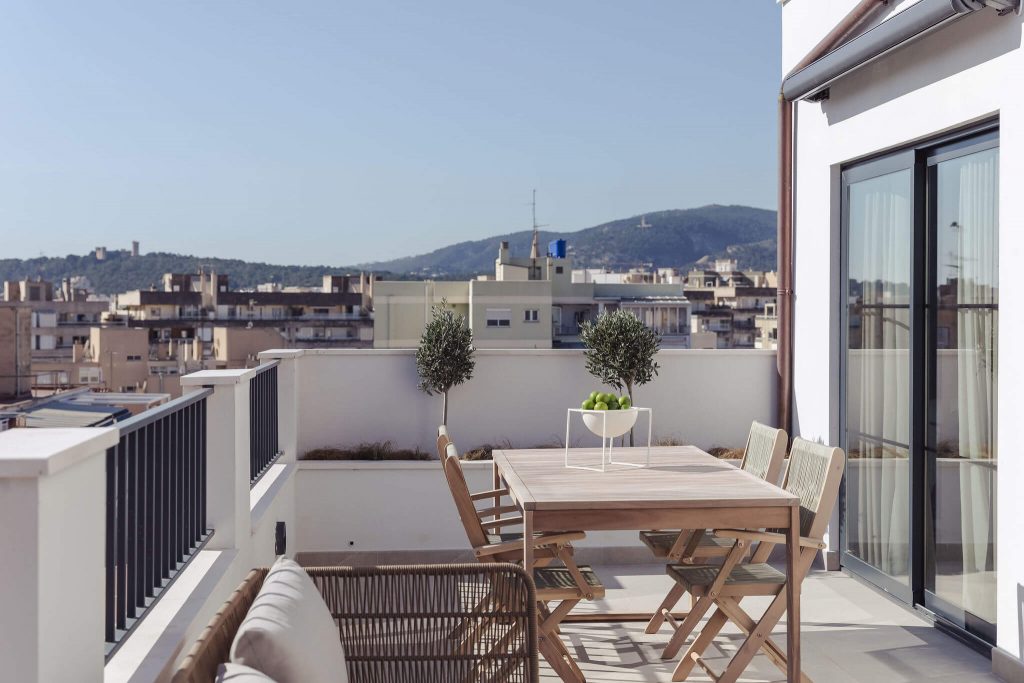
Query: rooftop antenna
535, 246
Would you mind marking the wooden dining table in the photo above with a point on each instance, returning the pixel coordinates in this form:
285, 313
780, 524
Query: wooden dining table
682, 488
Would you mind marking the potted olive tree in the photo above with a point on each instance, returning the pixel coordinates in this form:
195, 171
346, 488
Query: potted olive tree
444, 358
620, 351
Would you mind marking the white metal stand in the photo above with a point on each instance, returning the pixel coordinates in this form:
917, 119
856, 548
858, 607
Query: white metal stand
606, 443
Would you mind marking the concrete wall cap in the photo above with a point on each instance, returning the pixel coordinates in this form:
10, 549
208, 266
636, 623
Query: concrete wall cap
31, 453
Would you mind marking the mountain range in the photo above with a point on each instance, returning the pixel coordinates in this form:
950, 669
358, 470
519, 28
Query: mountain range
678, 238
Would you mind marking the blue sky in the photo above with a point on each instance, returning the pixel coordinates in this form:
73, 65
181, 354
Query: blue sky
342, 132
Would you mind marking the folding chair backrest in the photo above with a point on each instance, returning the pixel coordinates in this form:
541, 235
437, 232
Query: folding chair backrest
463, 502
814, 473
442, 442
765, 452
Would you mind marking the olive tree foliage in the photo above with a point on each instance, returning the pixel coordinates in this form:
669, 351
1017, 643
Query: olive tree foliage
444, 358
620, 351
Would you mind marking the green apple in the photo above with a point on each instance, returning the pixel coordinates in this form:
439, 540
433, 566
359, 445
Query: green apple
588, 405
595, 396
613, 406
625, 403
600, 405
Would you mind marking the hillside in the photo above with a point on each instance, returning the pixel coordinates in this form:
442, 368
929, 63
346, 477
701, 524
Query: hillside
121, 272
675, 238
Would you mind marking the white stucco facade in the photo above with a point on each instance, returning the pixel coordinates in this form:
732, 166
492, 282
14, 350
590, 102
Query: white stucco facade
967, 72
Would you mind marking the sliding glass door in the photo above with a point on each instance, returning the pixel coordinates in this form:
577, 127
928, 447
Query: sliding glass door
920, 373
963, 319
880, 242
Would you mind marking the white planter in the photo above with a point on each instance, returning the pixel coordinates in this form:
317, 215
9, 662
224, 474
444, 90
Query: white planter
609, 424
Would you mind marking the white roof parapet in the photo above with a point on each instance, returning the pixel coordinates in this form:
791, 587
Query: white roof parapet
30, 453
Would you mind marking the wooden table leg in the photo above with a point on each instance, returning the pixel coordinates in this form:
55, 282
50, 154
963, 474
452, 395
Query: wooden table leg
793, 596
527, 541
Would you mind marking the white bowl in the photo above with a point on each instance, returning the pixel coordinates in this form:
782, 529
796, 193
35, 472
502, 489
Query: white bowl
618, 421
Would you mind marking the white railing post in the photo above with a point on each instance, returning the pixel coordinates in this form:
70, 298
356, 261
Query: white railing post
52, 553
227, 454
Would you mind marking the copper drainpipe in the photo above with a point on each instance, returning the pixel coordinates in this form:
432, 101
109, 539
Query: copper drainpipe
862, 13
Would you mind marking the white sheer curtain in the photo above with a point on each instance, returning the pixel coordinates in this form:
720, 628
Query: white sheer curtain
881, 219
977, 375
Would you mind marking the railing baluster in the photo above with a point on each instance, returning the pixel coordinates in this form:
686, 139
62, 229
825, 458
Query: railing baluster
131, 528
121, 532
110, 579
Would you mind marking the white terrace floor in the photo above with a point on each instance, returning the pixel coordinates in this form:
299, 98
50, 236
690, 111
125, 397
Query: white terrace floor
850, 633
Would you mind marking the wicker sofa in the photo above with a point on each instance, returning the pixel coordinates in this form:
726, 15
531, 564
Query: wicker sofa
416, 623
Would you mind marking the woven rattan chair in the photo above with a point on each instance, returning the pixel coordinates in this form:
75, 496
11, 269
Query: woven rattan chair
559, 588
813, 475
763, 456
424, 623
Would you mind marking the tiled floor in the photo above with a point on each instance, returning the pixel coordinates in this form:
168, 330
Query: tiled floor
850, 633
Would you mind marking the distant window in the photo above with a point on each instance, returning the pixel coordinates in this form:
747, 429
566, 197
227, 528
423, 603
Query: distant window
499, 317
177, 288
558, 269
134, 357
320, 311
530, 315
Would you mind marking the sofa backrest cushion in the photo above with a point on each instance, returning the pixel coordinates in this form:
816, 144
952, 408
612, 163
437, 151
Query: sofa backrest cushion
288, 633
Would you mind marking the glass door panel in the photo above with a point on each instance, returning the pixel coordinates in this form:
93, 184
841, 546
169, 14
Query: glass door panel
960, 552
880, 239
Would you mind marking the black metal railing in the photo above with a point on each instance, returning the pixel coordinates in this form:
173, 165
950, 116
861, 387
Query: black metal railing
156, 507
263, 446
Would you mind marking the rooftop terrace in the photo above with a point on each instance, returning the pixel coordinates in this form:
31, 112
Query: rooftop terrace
143, 529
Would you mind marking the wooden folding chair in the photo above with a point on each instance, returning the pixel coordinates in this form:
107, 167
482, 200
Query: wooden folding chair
813, 475
763, 456
559, 588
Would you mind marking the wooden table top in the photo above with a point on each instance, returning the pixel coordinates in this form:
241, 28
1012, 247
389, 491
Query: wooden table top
679, 477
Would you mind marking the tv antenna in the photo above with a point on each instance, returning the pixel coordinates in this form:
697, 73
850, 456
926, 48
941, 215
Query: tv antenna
535, 246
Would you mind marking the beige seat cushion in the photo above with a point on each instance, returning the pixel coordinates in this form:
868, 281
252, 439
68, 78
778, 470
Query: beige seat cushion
239, 673
289, 633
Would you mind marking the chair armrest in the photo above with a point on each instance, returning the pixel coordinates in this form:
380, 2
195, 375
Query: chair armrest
541, 542
767, 537
498, 523
495, 511
558, 538
489, 494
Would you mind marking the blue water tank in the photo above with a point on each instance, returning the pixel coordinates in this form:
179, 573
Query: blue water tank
556, 248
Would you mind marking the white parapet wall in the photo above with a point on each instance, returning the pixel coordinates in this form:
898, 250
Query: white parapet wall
376, 511
520, 397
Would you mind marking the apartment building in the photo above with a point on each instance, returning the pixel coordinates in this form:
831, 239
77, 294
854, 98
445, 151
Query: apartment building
15, 350
727, 305
190, 306
529, 302
61, 316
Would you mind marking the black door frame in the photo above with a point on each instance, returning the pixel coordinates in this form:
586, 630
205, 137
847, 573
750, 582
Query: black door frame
920, 159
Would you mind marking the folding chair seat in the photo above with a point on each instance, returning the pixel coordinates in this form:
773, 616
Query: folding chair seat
661, 542
763, 456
